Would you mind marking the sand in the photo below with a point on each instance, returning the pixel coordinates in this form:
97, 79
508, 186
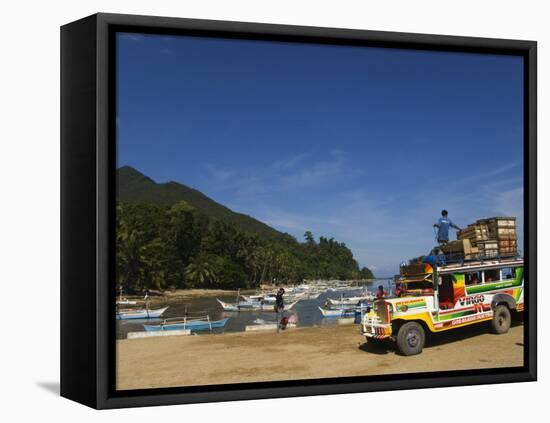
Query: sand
303, 353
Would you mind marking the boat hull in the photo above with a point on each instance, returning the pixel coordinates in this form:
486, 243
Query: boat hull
254, 306
348, 301
191, 325
141, 314
330, 313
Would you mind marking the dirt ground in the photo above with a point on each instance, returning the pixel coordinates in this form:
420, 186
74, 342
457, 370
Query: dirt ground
303, 353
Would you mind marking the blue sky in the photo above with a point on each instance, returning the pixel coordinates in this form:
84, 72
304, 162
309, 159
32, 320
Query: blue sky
365, 145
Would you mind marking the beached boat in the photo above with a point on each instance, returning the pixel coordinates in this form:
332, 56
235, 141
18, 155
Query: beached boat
140, 314
338, 312
248, 305
126, 302
183, 323
269, 299
271, 306
254, 298
252, 306
350, 300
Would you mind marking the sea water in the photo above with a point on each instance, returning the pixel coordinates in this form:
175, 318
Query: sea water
306, 311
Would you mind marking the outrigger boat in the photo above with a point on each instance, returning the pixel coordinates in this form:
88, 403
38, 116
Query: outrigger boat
252, 306
183, 323
268, 299
126, 302
140, 314
350, 300
338, 312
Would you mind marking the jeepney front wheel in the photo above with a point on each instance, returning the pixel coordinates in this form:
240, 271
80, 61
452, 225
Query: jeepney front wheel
502, 319
411, 338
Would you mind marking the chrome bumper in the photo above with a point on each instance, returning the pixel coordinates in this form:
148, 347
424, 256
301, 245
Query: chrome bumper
374, 328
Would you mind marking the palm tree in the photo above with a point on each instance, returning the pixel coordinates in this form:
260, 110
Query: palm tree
199, 272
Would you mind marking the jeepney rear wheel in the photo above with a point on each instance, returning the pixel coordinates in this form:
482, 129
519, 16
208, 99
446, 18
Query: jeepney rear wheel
411, 338
502, 319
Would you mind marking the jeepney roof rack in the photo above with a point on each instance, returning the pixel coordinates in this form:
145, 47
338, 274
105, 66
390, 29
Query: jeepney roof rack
416, 266
457, 258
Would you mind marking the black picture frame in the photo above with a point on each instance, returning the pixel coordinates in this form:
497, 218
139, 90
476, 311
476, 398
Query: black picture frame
88, 194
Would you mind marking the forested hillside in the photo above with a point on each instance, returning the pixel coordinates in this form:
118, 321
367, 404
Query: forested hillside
162, 245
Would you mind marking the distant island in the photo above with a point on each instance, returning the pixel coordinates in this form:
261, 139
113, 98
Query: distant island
169, 235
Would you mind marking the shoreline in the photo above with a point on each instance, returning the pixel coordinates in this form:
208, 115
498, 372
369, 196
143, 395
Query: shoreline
198, 292
167, 297
303, 353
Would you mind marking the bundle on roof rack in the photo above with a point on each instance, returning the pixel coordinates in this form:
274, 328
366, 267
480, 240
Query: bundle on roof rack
492, 237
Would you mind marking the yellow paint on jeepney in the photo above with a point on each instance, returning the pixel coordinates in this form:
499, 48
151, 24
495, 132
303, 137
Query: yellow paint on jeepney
475, 310
435, 325
408, 304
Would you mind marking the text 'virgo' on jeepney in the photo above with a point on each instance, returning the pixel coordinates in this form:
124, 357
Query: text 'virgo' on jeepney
478, 278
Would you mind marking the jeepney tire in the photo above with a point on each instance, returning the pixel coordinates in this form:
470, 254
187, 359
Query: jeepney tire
502, 319
411, 338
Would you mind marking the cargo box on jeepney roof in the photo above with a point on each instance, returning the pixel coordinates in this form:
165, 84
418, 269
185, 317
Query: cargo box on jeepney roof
493, 237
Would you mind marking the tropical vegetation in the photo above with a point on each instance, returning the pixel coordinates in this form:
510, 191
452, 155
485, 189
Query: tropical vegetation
178, 246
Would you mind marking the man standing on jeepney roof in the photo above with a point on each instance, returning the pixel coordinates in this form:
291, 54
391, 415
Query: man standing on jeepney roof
443, 225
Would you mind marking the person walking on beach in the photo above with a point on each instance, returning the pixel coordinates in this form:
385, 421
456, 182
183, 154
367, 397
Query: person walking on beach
279, 300
443, 225
147, 299
279, 308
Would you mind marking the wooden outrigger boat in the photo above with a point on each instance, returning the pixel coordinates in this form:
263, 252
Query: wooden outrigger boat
126, 302
350, 300
252, 306
271, 297
140, 314
183, 323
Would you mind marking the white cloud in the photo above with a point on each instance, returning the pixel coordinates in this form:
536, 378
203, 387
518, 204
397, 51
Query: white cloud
382, 227
131, 36
293, 172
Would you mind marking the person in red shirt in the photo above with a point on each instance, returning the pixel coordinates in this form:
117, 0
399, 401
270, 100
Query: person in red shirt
380, 293
399, 290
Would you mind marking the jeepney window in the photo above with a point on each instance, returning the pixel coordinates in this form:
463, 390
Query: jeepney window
446, 293
472, 278
491, 275
508, 273
447, 280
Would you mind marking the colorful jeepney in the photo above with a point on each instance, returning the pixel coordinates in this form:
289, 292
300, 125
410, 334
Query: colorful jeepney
439, 297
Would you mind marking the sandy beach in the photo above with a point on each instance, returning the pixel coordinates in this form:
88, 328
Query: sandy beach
303, 353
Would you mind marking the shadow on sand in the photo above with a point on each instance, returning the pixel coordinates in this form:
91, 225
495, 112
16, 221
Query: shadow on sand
434, 340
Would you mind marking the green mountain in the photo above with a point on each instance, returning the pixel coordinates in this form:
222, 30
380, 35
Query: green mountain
135, 187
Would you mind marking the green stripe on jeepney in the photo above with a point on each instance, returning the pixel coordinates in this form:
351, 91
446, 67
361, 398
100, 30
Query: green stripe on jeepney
408, 305
453, 315
517, 293
478, 289
415, 304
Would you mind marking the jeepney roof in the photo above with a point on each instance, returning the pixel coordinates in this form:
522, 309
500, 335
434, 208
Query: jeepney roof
480, 265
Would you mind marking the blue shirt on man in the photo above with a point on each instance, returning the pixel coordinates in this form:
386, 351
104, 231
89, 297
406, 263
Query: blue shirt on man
444, 223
